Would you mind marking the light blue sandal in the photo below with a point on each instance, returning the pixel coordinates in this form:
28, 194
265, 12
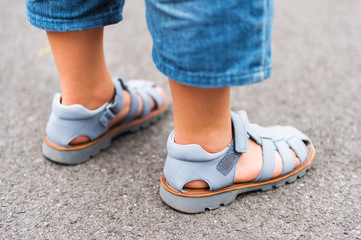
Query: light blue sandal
68, 122
186, 163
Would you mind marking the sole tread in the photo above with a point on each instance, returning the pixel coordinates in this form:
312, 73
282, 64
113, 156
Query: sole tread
201, 204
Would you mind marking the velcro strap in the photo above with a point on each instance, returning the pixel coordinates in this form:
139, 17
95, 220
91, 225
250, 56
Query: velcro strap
251, 131
240, 134
229, 160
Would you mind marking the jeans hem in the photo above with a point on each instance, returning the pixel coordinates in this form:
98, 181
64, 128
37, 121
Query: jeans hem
65, 25
211, 80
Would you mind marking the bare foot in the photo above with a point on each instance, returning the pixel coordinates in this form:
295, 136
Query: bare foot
123, 113
249, 166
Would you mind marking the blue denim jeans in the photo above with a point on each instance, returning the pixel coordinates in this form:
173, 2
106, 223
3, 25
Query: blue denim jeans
203, 43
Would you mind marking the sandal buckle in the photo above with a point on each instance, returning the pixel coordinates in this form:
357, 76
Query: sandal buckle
107, 115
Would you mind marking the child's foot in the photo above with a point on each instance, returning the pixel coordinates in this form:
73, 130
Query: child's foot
249, 166
257, 159
124, 112
75, 133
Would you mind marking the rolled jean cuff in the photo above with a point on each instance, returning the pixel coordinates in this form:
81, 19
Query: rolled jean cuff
73, 15
211, 80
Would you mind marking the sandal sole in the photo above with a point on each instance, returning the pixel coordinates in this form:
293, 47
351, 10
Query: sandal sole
197, 202
79, 154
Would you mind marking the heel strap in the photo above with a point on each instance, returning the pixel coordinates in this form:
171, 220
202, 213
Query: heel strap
68, 122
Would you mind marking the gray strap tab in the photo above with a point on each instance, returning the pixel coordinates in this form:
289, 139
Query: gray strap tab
240, 133
227, 163
249, 127
106, 117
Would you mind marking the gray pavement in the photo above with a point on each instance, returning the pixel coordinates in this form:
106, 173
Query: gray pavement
315, 86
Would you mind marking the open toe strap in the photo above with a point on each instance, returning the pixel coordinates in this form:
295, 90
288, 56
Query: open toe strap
146, 91
283, 139
186, 163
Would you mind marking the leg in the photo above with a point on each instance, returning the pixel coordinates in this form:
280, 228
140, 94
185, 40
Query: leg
211, 47
80, 61
83, 73
93, 108
209, 109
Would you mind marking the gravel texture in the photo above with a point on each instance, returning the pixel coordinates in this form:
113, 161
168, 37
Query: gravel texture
315, 86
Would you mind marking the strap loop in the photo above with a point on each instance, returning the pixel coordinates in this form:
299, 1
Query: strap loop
107, 115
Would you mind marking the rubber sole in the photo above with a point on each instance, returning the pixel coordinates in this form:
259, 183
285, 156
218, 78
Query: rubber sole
82, 153
197, 202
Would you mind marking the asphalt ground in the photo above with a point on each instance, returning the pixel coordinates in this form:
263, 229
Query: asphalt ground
315, 86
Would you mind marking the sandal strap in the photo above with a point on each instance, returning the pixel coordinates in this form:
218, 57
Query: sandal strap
147, 106
134, 106
115, 106
278, 138
146, 91
159, 100
240, 133
229, 160
268, 166
299, 147
288, 159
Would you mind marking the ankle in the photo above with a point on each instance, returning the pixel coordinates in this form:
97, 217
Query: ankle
211, 141
90, 98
